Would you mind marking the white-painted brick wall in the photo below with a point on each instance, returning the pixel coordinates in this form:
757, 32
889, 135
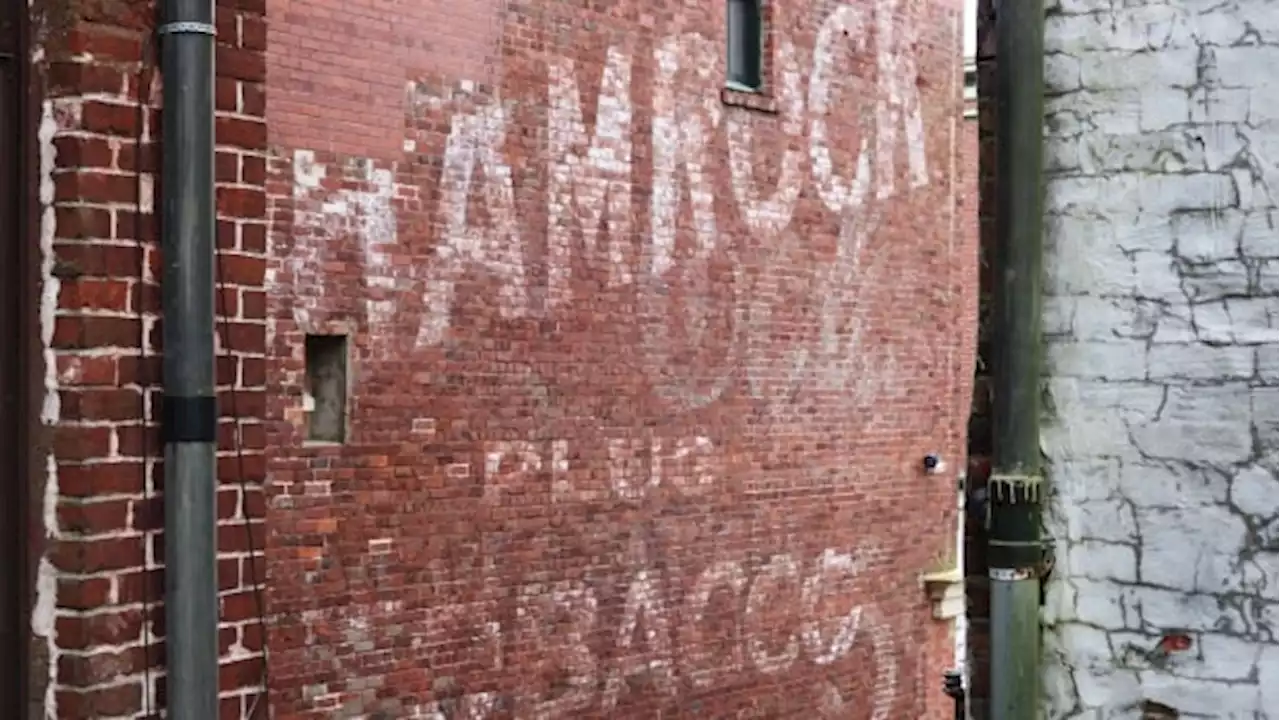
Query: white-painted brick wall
1161, 328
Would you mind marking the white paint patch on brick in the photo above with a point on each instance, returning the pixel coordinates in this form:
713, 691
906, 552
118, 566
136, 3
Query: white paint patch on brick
1161, 302
362, 210
44, 610
307, 176
627, 477
561, 486
685, 463
523, 460
376, 228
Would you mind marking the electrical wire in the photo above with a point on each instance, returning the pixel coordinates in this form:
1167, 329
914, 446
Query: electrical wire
143, 79
254, 580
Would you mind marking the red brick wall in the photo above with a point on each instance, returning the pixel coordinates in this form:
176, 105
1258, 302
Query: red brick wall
98, 620
674, 466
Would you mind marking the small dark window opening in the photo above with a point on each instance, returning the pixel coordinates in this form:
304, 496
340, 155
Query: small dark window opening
327, 388
745, 45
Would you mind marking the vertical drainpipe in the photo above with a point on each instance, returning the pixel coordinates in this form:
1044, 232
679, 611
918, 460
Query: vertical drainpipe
190, 405
1015, 485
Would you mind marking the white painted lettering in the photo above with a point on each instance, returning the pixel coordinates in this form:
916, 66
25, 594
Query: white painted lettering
831, 567
898, 99
768, 217
558, 621
844, 30
589, 179
474, 138
627, 476
643, 609
673, 465
589, 197
637, 467
697, 660
555, 622
526, 461
685, 112
561, 485
776, 575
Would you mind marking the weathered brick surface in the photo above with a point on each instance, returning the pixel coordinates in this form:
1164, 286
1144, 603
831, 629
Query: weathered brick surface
642, 371
98, 616
642, 378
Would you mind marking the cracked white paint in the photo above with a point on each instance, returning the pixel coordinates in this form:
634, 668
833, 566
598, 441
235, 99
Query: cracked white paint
1161, 314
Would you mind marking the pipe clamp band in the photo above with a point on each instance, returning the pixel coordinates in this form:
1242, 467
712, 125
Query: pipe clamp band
1010, 574
190, 419
187, 28
1015, 488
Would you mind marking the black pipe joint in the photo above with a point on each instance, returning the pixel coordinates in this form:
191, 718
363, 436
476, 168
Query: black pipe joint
953, 684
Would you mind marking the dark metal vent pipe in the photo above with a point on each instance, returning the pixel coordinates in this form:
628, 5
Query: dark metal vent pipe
190, 415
